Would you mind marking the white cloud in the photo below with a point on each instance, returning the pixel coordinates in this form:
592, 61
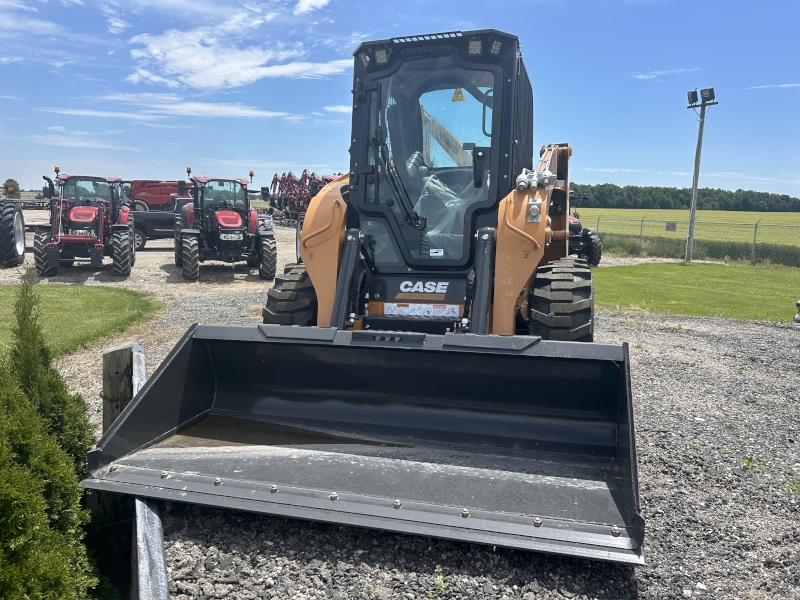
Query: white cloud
341, 108
780, 85
78, 142
4, 97
103, 114
116, 24
57, 128
654, 74
304, 7
211, 58
175, 105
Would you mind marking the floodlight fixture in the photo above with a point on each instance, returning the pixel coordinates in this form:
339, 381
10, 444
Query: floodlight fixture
707, 94
692, 95
475, 47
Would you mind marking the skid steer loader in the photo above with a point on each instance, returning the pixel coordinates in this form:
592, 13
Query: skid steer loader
426, 366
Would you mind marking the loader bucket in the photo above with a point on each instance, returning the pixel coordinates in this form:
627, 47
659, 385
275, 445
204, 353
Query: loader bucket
503, 440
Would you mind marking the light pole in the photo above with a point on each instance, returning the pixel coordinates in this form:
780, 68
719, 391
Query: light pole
706, 99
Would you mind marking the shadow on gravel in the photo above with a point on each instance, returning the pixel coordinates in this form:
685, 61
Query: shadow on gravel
215, 273
207, 546
79, 273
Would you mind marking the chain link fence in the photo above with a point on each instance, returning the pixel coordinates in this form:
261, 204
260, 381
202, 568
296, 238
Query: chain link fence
753, 243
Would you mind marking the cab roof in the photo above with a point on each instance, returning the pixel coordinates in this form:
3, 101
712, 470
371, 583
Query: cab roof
203, 179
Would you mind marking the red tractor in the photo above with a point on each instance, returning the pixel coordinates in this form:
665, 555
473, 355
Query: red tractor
88, 220
219, 224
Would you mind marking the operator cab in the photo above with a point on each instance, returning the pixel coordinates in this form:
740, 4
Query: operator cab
429, 123
84, 191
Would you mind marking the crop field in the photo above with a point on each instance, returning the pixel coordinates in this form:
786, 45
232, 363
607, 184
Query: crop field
719, 235
711, 216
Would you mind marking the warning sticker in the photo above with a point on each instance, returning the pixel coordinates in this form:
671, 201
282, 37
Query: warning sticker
458, 96
402, 309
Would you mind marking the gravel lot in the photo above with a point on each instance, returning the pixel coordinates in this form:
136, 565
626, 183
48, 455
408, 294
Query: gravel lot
717, 406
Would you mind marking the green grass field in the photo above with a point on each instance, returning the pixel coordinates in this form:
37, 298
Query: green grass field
716, 216
73, 316
704, 290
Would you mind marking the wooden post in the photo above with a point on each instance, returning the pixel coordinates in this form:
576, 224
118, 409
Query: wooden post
124, 373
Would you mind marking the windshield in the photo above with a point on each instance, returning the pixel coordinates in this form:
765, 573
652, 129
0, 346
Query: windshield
225, 194
426, 119
85, 190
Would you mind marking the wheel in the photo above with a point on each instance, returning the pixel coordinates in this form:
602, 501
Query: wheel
562, 301
12, 235
190, 257
593, 247
268, 262
40, 241
121, 253
139, 239
292, 300
140, 206
288, 268
298, 228
132, 238
178, 244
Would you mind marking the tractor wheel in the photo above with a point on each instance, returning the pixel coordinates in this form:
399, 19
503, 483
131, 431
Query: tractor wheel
121, 253
593, 248
139, 239
298, 228
190, 257
132, 239
12, 235
562, 301
40, 241
288, 268
140, 206
268, 262
292, 300
178, 243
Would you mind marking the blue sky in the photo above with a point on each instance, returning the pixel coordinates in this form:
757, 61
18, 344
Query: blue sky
144, 88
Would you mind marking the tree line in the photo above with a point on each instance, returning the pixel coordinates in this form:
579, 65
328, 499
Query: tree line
608, 195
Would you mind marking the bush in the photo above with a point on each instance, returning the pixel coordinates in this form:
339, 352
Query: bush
44, 437
64, 413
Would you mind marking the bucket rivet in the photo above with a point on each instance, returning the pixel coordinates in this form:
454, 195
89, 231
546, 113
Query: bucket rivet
537, 522
164, 474
273, 489
334, 495
397, 504
112, 468
615, 531
464, 513
218, 481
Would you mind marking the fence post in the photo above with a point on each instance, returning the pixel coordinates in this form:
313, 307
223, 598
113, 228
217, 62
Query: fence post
598, 223
753, 252
641, 229
124, 373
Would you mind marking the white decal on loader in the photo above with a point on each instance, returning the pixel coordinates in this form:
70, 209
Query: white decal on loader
429, 287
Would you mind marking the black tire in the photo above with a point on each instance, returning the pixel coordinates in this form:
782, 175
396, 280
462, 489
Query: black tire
139, 239
178, 243
190, 257
132, 238
298, 228
268, 262
121, 253
292, 300
562, 301
592, 248
140, 206
40, 241
12, 235
288, 268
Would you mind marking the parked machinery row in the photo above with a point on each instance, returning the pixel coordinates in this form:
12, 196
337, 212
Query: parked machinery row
95, 217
